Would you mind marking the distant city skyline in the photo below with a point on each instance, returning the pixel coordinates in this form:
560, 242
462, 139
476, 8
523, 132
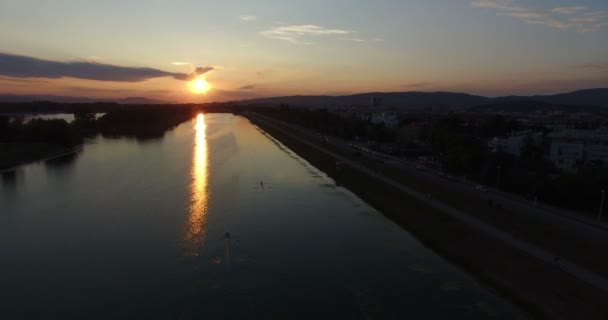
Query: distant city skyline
203, 51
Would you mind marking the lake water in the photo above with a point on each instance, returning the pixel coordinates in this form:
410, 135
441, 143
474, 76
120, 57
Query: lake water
130, 229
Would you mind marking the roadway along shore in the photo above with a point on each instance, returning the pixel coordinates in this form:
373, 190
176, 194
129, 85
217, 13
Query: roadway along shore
539, 280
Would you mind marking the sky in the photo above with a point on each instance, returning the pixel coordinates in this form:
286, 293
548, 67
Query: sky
246, 49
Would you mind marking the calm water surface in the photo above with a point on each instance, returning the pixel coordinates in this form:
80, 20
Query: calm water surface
133, 229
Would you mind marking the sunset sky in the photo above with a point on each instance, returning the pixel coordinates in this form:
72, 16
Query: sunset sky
246, 49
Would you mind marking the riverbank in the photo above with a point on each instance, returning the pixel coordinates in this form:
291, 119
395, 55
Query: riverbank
41, 139
14, 154
543, 289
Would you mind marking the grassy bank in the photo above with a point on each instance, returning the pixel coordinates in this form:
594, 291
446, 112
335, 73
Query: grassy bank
541, 289
568, 243
16, 153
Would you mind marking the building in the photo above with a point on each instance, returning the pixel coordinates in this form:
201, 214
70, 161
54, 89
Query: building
515, 141
573, 149
389, 120
376, 101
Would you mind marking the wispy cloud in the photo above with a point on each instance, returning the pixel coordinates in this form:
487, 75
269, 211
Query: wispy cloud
94, 58
177, 63
298, 34
91, 89
22, 80
568, 10
506, 5
593, 66
248, 18
527, 14
247, 87
227, 95
353, 39
417, 84
577, 18
28, 67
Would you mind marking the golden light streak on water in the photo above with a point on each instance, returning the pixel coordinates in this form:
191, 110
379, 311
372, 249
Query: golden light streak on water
195, 227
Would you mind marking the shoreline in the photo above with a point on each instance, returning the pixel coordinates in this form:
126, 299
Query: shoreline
541, 289
20, 163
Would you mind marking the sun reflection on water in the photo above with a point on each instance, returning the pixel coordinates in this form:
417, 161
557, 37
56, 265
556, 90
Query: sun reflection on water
195, 227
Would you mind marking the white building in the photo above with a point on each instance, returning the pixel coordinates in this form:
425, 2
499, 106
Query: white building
572, 149
389, 120
514, 142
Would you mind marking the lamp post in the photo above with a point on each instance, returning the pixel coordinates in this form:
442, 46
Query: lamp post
599, 215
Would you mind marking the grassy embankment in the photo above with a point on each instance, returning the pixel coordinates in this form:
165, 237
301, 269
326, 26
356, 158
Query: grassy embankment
16, 153
541, 289
593, 255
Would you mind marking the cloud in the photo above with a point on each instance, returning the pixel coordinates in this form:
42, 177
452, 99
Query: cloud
177, 63
248, 18
202, 70
505, 5
593, 66
295, 33
232, 95
161, 91
527, 14
417, 84
568, 10
247, 87
22, 80
353, 39
94, 58
97, 90
552, 23
28, 67
590, 19
576, 18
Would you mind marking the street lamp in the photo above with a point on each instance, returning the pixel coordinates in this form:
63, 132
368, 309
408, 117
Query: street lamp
599, 215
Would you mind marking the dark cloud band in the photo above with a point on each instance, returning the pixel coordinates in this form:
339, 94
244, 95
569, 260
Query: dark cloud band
28, 67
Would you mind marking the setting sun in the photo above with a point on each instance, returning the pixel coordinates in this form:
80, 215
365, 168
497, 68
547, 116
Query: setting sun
199, 85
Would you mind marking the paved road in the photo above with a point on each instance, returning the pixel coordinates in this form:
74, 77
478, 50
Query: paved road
532, 250
553, 218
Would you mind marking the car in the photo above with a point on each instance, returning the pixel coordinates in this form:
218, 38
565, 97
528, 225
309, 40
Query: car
481, 188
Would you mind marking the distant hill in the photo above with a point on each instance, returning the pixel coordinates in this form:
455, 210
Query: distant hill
448, 100
588, 97
531, 106
417, 99
402, 100
66, 99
